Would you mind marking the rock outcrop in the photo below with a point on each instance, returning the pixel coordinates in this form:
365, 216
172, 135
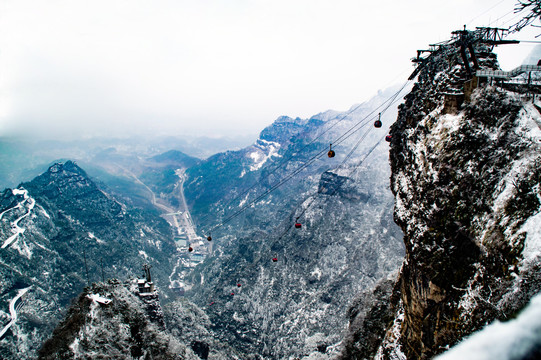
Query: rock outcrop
111, 320
467, 189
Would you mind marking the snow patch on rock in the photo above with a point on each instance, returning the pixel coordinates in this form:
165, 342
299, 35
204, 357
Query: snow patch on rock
93, 237
516, 339
264, 150
532, 244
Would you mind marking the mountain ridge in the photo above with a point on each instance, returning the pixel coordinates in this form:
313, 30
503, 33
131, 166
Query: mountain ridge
60, 232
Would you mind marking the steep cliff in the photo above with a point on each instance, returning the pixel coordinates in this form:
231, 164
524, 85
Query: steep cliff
467, 188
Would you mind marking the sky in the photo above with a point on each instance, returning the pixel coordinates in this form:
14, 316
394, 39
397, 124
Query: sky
80, 69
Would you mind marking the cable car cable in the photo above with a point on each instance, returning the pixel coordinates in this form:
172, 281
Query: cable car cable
391, 99
356, 166
342, 138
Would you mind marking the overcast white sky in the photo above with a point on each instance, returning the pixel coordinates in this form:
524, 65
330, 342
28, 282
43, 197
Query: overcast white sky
71, 68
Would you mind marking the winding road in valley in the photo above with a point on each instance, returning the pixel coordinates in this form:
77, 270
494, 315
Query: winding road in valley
13, 310
184, 212
15, 228
179, 218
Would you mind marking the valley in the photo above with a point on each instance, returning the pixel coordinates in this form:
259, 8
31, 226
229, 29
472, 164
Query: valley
418, 229
185, 238
184, 231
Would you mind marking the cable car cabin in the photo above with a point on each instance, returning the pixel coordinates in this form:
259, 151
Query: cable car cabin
209, 238
388, 138
190, 249
239, 285
274, 259
232, 293
377, 123
331, 152
298, 225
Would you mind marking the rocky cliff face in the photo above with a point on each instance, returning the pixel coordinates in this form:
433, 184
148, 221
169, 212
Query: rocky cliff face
112, 320
60, 232
467, 187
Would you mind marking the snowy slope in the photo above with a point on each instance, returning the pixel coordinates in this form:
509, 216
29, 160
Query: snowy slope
59, 232
296, 306
516, 339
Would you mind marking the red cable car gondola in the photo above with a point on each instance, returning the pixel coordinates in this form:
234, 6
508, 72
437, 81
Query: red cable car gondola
331, 152
239, 285
378, 123
209, 238
190, 249
388, 138
274, 259
298, 225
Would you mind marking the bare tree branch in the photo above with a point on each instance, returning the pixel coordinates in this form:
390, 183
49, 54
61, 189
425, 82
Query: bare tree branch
533, 9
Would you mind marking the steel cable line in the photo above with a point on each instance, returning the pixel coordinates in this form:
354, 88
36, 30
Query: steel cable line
336, 168
313, 199
486, 11
295, 172
342, 164
286, 160
342, 138
512, 19
390, 101
502, 17
271, 189
363, 122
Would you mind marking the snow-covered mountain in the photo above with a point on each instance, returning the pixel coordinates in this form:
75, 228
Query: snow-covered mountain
115, 320
112, 320
225, 182
295, 306
305, 259
59, 232
23, 158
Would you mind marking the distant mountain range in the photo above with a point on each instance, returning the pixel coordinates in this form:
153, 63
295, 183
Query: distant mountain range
22, 159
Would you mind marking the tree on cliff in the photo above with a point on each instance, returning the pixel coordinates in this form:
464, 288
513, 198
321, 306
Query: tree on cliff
534, 8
